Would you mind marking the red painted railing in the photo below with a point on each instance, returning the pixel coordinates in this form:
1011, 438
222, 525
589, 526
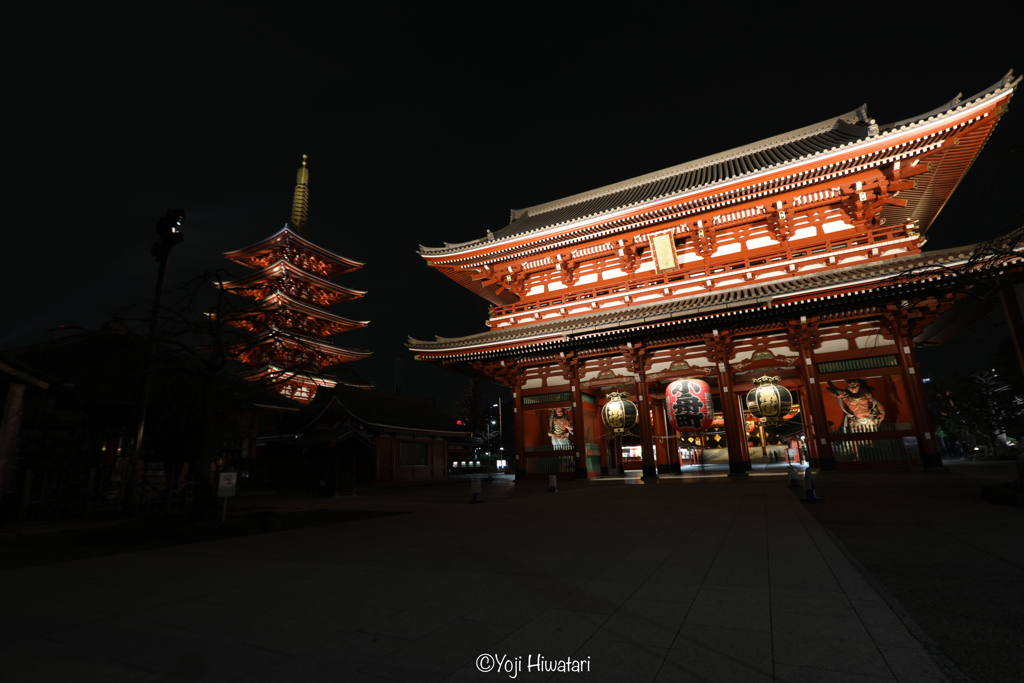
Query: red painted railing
576, 296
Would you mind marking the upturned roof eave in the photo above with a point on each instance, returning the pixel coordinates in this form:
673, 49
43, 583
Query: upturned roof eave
311, 341
379, 425
671, 171
956, 103
696, 164
267, 368
266, 272
286, 230
493, 239
647, 313
273, 302
420, 430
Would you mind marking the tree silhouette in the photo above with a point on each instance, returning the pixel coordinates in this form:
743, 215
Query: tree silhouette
472, 409
203, 332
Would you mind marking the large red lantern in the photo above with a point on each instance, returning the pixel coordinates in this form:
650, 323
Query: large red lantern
690, 405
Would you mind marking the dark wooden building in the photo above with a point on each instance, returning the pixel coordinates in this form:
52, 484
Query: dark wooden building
354, 435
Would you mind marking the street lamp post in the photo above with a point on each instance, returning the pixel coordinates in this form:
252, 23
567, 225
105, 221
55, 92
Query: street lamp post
168, 229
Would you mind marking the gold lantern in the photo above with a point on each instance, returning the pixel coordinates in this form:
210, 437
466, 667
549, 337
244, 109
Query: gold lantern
769, 401
619, 414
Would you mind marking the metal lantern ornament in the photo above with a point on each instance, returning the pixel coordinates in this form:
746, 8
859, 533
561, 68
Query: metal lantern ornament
769, 401
619, 414
690, 405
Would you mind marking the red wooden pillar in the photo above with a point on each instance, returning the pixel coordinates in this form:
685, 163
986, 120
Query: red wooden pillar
675, 464
671, 440
579, 431
646, 433
820, 448
915, 391
602, 443
928, 451
804, 339
740, 399
719, 348
807, 418
617, 457
606, 441
661, 454
735, 434
517, 414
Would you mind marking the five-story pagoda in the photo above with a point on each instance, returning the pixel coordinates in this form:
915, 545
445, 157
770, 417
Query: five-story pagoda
290, 319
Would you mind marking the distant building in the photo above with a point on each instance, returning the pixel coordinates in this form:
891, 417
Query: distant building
352, 435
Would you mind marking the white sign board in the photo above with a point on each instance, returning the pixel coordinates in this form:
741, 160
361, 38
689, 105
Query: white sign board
228, 484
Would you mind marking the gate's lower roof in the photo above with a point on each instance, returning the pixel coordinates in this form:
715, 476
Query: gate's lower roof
822, 285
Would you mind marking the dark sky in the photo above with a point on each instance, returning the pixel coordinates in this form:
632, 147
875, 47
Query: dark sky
417, 136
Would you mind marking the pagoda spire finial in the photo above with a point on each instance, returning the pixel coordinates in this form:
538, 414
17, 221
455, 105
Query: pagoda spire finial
300, 200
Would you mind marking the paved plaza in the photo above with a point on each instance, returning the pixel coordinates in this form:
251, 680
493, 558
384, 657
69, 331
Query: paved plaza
687, 579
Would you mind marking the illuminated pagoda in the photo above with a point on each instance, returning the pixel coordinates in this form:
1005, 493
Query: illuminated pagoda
290, 320
799, 256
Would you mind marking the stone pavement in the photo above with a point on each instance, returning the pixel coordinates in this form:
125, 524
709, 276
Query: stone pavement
684, 580
950, 564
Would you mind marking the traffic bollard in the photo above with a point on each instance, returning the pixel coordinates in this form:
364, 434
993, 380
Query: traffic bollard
553, 484
475, 488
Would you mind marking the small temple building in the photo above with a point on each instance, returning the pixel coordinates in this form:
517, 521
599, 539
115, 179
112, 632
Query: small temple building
799, 256
290, 320
363, 437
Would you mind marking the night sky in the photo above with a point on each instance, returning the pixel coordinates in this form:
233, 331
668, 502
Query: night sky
419, 137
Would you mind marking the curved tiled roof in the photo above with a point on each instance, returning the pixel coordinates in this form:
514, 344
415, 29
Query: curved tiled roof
846, 129
392, 412
703, 304
712, 169
279, 301
285, 234
304, 275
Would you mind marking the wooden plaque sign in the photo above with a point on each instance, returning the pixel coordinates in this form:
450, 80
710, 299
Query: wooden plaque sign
663, 249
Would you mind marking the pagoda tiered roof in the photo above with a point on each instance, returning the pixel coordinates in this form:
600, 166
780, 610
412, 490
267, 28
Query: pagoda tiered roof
274, 308
272, 279
287, 245
310, 352
279, 374
827, 150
